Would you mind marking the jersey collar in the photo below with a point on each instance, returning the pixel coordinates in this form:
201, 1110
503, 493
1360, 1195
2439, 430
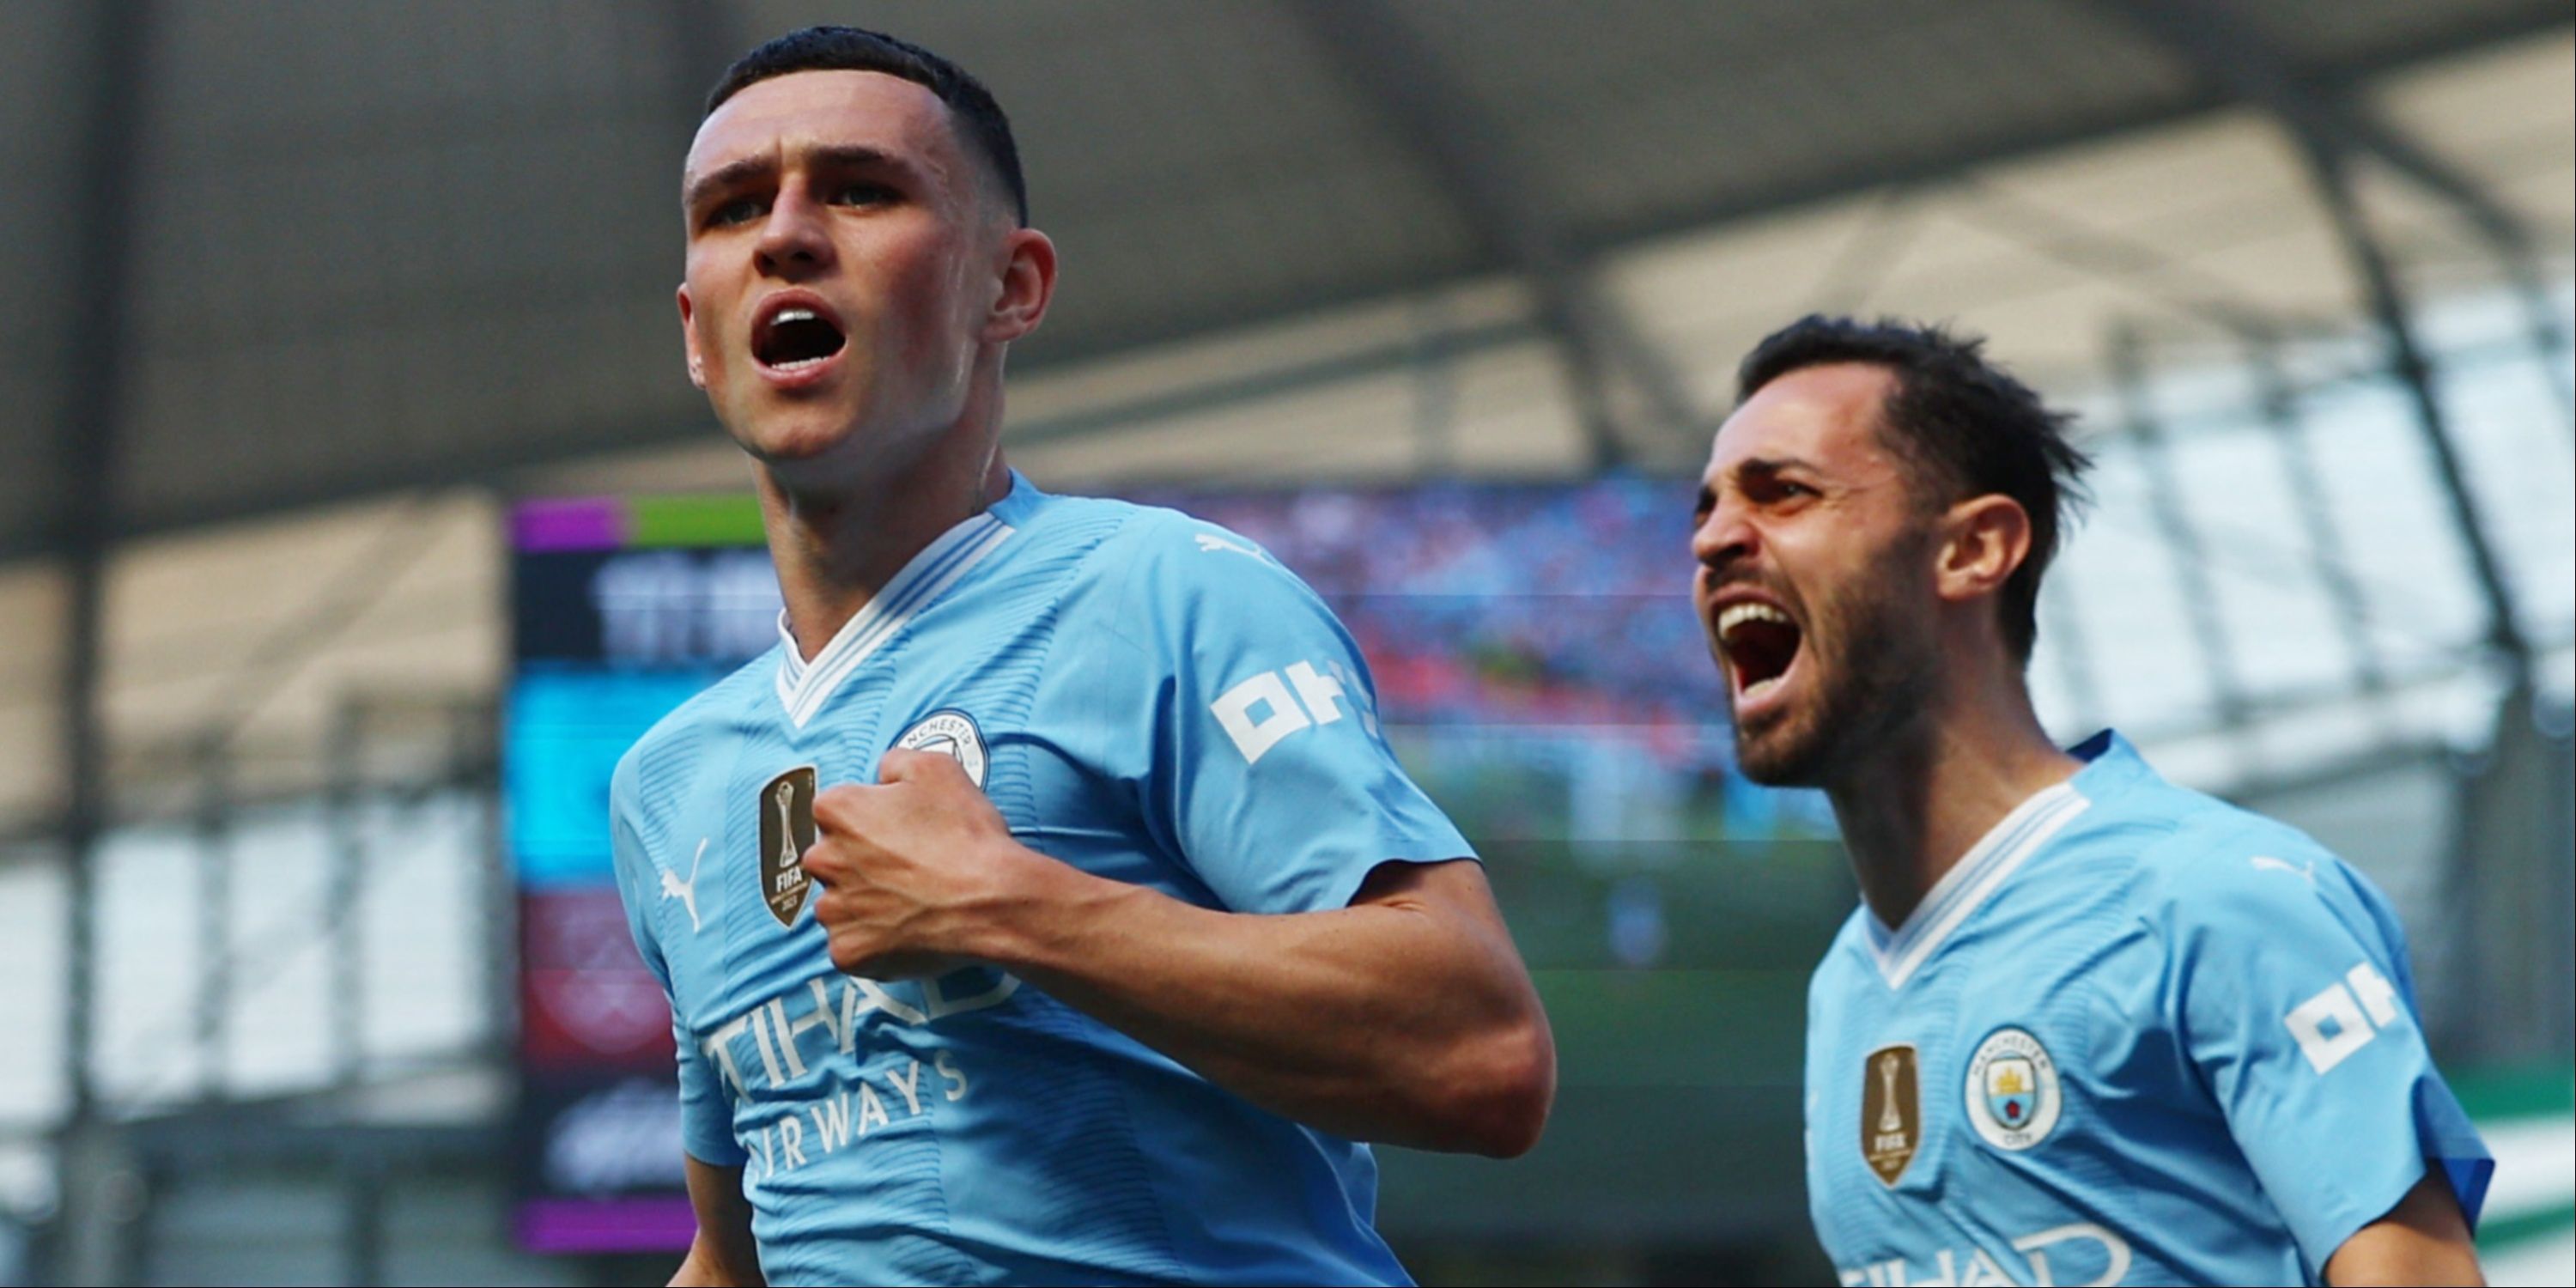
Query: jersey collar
803, 687
1901, 952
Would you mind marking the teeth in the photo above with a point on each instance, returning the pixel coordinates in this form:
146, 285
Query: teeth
793, 315
1760, 687
1738, 614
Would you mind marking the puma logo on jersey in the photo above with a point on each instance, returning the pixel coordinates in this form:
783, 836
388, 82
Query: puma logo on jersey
2306, 871
1209, 543
686, 891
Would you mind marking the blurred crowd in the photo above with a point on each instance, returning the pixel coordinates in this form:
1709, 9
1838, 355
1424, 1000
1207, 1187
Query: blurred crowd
1562, 604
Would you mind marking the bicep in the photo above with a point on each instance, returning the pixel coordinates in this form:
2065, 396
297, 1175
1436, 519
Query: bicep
722, 1251
2423, 1240
1455, 910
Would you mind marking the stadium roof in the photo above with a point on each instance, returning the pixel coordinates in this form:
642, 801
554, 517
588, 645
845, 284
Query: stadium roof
271, 255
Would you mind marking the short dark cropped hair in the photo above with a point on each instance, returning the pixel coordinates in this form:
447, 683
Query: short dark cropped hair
854, 49
1965, 425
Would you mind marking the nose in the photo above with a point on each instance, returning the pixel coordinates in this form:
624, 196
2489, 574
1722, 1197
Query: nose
793, 241
1724, 538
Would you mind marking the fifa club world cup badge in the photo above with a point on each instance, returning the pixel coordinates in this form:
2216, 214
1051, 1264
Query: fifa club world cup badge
1891, 1116
2013, 1093
786, 829
951, 733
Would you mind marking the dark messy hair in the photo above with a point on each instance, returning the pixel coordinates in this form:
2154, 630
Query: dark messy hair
853, 49
1965, 426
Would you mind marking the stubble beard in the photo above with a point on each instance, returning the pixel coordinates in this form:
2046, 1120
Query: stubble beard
1886, 664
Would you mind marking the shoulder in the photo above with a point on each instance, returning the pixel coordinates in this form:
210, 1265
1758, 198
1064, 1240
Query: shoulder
2167, 851
1161, 571
2227, 872
1175, 548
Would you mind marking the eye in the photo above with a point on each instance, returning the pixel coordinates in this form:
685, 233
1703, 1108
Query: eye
734, 211
1772, 490
862, 194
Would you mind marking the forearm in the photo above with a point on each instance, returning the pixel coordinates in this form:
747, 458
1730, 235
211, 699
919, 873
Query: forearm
722, 1253
1394, 1019
701, 1269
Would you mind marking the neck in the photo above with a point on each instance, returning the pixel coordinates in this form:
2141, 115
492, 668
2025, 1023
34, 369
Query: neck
836, 547
1938, 784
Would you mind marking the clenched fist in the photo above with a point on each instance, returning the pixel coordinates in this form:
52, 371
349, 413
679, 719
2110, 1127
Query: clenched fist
914, 870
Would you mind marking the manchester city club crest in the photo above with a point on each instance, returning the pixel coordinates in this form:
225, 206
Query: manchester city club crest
2014, 1096
1891, 1117
2012, 1090
951, 733
786, 808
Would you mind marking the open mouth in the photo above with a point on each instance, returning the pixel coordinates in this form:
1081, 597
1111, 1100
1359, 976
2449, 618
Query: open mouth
1760, 642
795, 338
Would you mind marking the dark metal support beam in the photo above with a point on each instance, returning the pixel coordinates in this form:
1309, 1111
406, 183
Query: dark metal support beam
2328, 551
363, 1222
2241, 62
2511, 243
2182, 537
99, 334
2111, 257
2407, 361
344, 901
214, 982
102, 1195
1441, 124
474, 765
2331, 129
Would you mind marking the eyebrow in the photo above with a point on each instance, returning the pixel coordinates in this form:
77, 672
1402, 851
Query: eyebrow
1772, 464
843, 156
1764, 466
1752, 467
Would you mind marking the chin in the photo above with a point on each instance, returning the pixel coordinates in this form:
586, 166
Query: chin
1786, 753
1775, 766
791, 438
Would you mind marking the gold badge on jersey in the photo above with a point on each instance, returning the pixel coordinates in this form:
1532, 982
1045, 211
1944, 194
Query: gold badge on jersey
786, 828
1891, 1111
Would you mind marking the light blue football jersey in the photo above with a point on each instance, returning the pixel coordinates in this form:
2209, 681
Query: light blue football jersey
1147, 697
2136, 1035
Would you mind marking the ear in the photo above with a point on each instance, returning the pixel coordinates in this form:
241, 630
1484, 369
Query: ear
1025, 285
1983, 542
689, 340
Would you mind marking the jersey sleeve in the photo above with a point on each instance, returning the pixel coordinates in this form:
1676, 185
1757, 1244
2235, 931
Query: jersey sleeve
2288, 982
706, 1115
1266, 771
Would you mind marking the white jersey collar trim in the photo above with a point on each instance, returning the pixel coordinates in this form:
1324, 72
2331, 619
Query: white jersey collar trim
803, 687
1970, 882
